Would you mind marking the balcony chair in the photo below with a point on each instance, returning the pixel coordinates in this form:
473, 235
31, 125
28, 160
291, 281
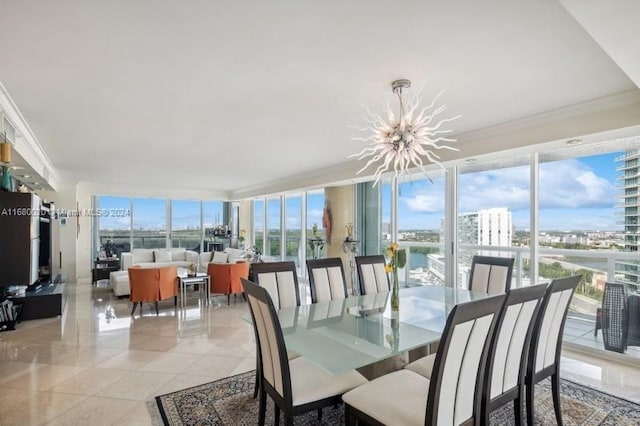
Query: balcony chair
225, 278
507, 361
296, 386
280, 279
327, 279
546, 342
614, 317
453, 395
371, 274
491, 275
152, 285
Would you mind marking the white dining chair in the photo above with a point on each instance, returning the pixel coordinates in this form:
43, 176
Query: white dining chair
546, 343
507, 360
327, 279
296, 386
453, 395
491, 275
371, 274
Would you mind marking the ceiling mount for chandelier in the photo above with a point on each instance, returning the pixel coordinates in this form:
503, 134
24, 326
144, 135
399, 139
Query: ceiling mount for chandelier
405, 141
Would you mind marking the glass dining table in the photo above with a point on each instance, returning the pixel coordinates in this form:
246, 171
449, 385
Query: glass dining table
342, 335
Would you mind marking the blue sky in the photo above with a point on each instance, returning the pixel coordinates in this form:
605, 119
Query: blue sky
575, 194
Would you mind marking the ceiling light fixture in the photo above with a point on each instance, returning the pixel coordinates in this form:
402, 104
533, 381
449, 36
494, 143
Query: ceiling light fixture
408, 140
574, 142
471, 161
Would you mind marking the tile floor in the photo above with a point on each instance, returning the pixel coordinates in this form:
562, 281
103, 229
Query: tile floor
96, 365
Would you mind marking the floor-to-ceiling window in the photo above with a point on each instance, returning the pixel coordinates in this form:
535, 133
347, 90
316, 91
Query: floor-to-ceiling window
494, 199
273, 244
258, 225
213, 220
315, 232
293, 228
114, 224
185, 224
420, 221
149, 223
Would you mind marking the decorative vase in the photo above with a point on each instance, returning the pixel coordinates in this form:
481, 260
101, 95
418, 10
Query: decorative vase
395, 299
6, 179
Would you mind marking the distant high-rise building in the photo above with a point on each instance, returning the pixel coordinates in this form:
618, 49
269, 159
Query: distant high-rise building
628, 272
487, 227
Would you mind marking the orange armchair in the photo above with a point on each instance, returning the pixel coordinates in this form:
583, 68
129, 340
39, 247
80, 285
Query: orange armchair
225, 277
152, 285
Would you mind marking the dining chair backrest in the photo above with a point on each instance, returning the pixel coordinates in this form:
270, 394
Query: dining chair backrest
491, 275
455, 388
371, 274
280, 279
547, 332
326, 279
506, 363
270, 340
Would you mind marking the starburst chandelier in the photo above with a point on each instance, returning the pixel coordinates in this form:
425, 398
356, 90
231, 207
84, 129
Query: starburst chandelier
409, 140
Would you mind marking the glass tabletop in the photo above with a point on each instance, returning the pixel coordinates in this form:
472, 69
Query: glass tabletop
345, 334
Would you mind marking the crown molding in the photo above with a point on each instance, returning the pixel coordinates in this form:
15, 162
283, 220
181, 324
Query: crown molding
591, 120
26, 144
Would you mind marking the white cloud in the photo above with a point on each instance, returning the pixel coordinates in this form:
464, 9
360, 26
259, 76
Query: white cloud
571, 184
424, 203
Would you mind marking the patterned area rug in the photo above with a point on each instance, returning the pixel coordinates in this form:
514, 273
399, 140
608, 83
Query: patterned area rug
229, 402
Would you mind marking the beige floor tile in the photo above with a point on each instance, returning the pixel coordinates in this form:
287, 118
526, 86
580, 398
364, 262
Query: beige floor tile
11, 399
183, 381
90, 381
136, 385
170, 362
10, 370
42, 407
214, 366
44, 377
129, 360
194, 345
95, 411
86, 356
138, 416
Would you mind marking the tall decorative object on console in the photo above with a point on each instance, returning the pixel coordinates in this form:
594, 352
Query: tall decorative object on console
351, 246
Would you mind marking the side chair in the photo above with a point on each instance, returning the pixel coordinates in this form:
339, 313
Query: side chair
296, 386
327, 279
453, 395
546, 342
280, 279
507, 362
491, 275
371, 274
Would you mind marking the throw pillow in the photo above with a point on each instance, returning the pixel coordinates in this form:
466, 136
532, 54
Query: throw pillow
162, 255
219, 257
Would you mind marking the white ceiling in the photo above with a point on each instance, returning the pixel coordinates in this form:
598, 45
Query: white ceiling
230, 97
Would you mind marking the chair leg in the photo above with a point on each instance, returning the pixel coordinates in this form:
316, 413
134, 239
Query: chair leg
157, 311
262, 407
228, 299
529, 402
133, 310
276, 412
175, 300
258, 375
288, 419
349, 420
555, 391
518, 411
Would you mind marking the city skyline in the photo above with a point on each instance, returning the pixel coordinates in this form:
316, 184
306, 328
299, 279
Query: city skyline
576, 194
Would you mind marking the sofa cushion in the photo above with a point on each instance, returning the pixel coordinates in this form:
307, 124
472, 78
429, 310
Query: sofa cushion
179, 254
142, 255
219, 257
204, 259
235, 255
161, 256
